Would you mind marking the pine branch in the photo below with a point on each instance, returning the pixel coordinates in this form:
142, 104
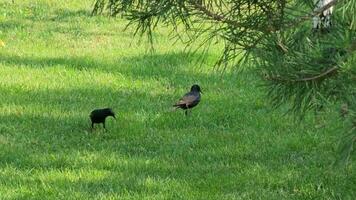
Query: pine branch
322, 75
213, 16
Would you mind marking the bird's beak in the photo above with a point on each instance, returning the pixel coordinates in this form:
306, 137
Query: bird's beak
114, 116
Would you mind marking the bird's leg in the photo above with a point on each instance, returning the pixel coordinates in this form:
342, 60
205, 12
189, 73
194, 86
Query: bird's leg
188, 112
104, 126
92, 125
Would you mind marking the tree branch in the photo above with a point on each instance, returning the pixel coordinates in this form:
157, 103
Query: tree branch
319, 76
212, 15
306, 79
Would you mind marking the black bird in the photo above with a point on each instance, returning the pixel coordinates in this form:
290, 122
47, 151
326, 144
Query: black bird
99, 115
190, 99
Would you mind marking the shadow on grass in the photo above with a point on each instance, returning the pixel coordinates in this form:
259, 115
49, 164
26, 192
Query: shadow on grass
25, 18
65, 15
11, 25
171, 66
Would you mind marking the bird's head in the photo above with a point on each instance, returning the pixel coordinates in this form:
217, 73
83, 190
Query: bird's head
195, 88
110, 112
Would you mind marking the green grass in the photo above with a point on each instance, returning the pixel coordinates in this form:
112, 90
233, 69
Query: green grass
59, 64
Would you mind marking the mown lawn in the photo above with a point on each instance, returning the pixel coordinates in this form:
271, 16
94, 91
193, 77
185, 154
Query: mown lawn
59, 64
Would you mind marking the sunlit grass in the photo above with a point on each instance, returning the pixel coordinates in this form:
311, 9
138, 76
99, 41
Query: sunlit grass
59, 63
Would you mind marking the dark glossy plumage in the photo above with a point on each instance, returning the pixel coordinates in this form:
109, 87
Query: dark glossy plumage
190, 99
98, 116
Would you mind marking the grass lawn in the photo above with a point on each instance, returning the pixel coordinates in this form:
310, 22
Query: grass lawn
58, 64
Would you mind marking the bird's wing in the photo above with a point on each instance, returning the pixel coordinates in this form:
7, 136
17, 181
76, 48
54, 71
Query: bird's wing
187, 99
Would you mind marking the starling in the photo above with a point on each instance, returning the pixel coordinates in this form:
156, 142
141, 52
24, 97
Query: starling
99, 115
189, 100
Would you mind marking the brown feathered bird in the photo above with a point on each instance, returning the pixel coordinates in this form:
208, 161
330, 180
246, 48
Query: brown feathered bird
190, 99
